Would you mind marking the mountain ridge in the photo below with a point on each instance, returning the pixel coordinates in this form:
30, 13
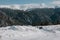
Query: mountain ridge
34, 17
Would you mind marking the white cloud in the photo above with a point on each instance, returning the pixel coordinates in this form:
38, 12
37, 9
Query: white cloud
24, 6
56, 2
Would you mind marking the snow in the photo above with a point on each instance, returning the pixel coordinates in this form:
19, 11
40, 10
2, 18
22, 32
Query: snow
51, 32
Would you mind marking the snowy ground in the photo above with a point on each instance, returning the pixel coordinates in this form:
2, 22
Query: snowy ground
51, 32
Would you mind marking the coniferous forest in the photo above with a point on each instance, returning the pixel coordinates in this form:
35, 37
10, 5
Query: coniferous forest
34, 17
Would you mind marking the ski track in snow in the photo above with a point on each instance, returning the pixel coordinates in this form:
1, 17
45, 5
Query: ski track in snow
51, 32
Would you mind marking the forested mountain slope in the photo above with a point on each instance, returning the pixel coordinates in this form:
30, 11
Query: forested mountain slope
35, 17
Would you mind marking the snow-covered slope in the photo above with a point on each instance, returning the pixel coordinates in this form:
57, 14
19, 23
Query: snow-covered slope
51, 32
24, 6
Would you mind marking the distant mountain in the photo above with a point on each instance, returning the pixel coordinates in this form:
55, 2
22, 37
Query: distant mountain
35, 16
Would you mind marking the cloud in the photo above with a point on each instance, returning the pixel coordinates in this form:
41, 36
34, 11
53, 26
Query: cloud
56, 2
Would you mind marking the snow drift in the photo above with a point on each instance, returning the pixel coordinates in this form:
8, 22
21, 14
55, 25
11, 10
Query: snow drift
51, 32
